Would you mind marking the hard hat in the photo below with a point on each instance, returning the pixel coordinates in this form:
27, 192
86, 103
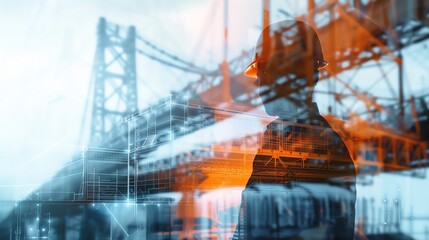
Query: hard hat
285, 41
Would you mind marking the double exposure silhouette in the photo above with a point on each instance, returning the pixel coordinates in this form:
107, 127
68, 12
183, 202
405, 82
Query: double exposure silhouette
305, 187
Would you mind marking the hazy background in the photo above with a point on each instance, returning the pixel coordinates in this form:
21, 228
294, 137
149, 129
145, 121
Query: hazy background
46, 55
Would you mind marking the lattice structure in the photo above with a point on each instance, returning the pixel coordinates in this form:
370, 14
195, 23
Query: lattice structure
376, 148
115, 86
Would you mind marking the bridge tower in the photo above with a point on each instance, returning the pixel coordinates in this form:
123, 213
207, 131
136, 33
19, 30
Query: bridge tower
115, 85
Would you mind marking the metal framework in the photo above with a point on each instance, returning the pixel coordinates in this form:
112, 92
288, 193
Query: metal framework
115, 86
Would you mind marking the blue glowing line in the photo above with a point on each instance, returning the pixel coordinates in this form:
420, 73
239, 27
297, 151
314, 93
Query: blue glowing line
123, 229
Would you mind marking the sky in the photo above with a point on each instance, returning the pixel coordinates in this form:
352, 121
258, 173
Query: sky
46, 56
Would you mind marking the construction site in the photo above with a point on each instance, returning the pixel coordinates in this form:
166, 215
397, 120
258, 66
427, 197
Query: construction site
175, 168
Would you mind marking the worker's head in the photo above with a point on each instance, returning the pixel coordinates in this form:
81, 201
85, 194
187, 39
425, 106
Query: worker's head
287, 60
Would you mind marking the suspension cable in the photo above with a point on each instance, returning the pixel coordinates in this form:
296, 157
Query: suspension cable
186, 69
169, 55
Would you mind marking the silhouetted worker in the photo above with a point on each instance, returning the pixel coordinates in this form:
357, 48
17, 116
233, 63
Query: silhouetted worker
303, 180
